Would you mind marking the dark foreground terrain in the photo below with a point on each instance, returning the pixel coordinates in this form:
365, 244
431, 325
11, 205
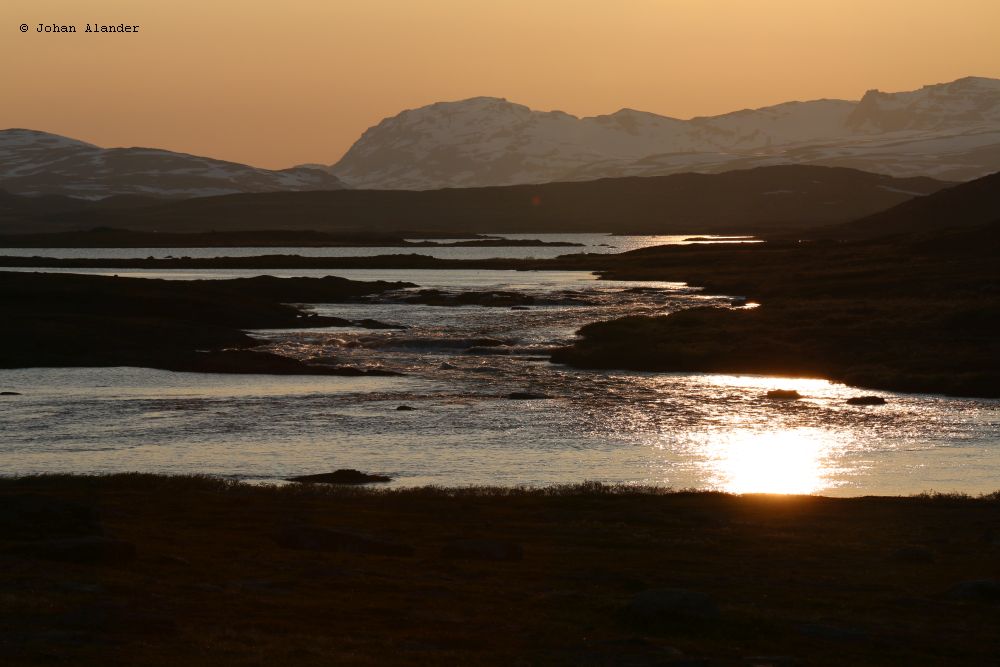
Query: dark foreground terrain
78, 320
138, 569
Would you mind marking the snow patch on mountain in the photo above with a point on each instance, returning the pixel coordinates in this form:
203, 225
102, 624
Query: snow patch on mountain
33, 162
945, 130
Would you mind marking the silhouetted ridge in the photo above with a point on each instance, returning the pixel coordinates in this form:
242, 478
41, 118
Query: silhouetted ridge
968, 204
744, 202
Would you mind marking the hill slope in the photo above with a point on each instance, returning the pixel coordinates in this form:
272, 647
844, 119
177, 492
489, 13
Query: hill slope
752, 201
965, 205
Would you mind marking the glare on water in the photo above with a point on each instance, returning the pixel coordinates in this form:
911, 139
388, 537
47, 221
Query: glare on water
781, 461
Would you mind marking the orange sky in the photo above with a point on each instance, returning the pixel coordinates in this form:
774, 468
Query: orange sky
276, 83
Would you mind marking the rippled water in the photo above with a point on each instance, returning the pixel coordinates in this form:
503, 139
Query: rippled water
679, 430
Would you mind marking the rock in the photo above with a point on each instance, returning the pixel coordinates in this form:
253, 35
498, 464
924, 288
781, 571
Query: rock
10, 393
527, 396
405, 408
980, 590
445, 366
314, 538
94, 550
866, 400
29, 517
784, 394
342, 476
482, 549
665, 604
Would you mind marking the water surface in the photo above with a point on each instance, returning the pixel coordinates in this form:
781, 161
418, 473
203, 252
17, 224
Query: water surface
677, 430
589, 243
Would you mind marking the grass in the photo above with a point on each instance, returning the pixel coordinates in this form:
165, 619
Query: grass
823, 581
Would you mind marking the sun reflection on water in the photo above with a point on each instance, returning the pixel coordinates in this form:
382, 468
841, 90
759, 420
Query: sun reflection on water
770, 461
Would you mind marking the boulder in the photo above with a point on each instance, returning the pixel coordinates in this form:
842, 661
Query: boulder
784, 394
483, 549
342, 476
866, 400
405, 408
314, 538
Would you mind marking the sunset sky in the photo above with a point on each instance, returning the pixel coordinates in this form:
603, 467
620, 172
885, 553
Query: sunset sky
281, 83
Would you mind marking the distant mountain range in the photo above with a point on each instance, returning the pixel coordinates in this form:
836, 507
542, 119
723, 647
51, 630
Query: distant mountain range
949, 131
34, 162
741, 202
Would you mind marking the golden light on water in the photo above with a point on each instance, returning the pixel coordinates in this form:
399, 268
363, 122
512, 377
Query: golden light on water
779, 461
760, 444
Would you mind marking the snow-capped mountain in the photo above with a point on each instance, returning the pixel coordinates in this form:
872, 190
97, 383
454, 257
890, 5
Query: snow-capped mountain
34, 162
949, 131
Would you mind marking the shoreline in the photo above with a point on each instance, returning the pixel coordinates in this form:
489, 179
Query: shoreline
589, 488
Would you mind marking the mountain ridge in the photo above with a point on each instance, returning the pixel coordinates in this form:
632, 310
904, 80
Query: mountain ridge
946, 130
949, 131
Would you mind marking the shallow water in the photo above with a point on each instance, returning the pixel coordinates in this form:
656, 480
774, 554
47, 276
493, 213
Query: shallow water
590, 243
678, 430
